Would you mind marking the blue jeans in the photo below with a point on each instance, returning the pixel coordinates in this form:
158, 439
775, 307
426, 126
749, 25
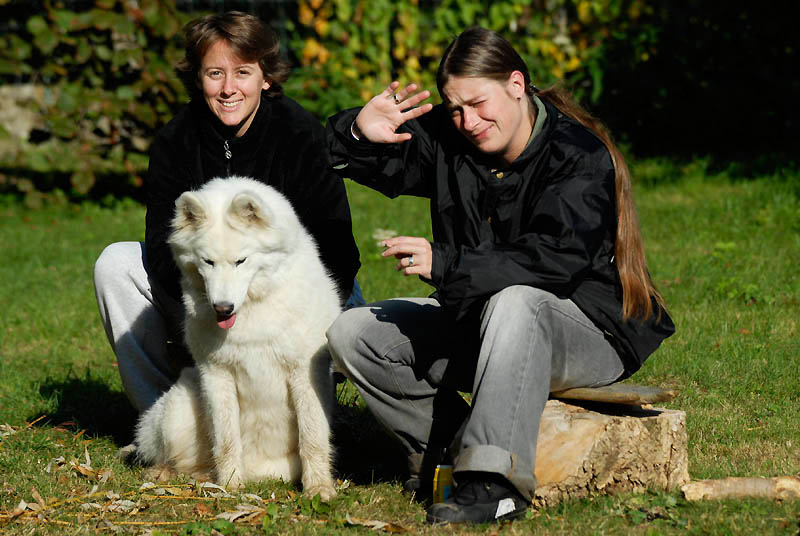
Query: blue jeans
409, 364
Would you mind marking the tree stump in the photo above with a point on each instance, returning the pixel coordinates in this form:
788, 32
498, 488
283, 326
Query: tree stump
609, 440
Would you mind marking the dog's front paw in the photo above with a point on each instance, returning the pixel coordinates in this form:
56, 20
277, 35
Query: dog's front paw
326, 491
231, 481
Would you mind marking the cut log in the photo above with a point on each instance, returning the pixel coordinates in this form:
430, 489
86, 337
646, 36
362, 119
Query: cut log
594, 448
619, 393
780, 488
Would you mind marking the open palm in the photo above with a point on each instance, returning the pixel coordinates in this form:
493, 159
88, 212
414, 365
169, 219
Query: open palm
379, 119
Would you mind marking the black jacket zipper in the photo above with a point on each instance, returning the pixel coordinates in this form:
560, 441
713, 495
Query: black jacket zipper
228, 156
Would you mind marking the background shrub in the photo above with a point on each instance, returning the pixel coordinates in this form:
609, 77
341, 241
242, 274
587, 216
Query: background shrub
85, 89
99, 83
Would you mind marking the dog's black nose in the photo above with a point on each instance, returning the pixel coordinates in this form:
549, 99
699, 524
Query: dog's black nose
223, 308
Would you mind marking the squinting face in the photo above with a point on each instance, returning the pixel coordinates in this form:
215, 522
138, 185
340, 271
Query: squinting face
492, 115
231, 87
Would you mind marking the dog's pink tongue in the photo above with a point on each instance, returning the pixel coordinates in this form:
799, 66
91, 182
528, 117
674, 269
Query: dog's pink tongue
228, 322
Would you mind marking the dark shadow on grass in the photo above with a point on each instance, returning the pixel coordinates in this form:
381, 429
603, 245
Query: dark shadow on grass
89, 404
365, 453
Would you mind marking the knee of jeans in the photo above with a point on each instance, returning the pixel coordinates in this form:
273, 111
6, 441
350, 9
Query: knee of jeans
342, 339
517, 299
109, 264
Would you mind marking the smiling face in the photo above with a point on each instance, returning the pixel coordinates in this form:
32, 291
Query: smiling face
494, 116
231, 87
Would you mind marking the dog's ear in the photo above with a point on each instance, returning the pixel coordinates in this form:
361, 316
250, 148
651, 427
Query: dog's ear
248, 208
189, 212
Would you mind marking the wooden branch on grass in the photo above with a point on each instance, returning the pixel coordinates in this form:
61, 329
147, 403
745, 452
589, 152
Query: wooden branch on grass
780, 488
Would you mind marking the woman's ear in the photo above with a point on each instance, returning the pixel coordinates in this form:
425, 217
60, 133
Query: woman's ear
516, 84
266, 85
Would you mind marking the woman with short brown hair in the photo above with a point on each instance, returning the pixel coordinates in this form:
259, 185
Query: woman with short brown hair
237, 123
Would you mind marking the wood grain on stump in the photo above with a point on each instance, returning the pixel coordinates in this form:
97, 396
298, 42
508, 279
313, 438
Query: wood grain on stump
589, 448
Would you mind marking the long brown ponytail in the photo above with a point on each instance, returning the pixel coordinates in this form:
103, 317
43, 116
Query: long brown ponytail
637, 286
478, 52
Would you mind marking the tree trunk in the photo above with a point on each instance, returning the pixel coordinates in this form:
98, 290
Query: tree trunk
588, 448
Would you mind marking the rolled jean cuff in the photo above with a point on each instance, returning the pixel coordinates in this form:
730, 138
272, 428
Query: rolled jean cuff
492, 459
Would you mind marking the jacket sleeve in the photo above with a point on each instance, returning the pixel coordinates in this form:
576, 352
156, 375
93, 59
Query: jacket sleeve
391, 168
166, 181
320, 199
562, 235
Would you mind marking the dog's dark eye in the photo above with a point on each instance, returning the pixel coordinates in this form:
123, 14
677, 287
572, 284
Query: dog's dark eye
208, 262
240, 261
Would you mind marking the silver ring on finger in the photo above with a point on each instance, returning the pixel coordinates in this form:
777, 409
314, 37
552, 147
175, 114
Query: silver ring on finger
411, 260
396, 100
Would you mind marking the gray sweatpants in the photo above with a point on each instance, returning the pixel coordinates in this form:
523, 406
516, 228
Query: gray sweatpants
409, 366
143, 323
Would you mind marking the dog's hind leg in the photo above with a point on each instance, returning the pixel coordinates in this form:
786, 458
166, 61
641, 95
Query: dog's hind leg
312, 396
172, 435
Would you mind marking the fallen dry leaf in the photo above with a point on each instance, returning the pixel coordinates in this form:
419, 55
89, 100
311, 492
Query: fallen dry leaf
246, 511
83, 470
123, 505
19, 510
58, 462
202, 510
103, 476
38, 498
205, 486
375, 524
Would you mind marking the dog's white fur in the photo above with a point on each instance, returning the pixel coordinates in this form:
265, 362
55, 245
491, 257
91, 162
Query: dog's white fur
258, 402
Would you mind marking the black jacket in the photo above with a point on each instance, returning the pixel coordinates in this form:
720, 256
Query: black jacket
283, 147
548, 220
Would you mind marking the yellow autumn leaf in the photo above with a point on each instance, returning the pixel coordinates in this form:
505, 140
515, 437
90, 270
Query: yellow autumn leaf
310, 50
584, 12
321, 26
572, 64
324, 55
305, 15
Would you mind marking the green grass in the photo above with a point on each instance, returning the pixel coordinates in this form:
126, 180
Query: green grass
724, 251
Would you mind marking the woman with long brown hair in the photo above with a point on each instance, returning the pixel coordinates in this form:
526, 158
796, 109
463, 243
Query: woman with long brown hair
537, 262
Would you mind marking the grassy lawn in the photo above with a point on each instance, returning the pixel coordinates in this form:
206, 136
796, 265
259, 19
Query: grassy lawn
724, 251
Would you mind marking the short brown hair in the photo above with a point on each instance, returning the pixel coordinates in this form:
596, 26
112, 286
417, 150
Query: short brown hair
250, 39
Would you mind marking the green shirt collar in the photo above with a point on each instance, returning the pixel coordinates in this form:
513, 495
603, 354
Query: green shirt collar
541, 116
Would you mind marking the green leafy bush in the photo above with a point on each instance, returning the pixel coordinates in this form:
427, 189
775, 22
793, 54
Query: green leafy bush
99, 82
349, 50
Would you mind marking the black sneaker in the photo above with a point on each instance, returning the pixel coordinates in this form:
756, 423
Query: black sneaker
479, 498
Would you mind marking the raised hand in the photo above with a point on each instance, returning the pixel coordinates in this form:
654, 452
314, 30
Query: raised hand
385, 112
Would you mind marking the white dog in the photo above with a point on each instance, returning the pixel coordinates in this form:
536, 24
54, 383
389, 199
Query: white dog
258, 302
